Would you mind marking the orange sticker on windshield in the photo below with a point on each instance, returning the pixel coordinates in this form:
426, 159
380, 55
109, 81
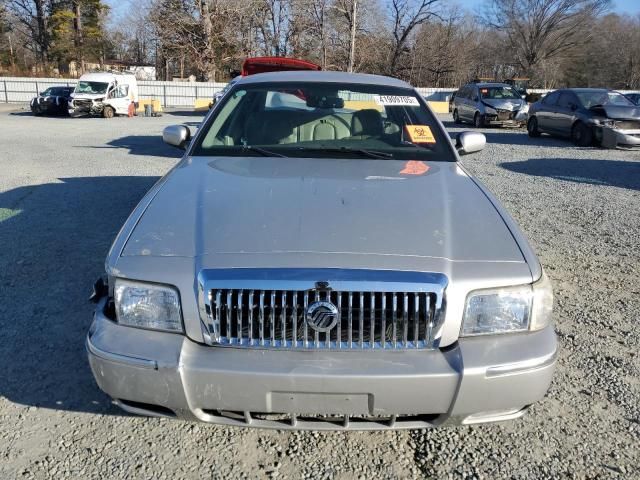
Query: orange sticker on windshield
420, 134
414, 167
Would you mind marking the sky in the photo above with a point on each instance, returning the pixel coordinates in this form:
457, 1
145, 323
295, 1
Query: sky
619, 6
622, 7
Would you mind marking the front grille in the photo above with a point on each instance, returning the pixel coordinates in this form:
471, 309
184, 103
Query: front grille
277, 318
310, 309
83, 104
506, 114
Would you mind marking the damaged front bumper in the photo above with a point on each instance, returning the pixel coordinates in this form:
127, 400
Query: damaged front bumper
476, 380
614, 137
85, 107
505, 118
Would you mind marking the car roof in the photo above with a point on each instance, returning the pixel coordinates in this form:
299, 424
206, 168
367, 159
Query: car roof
587, 90
323, 76
489, 84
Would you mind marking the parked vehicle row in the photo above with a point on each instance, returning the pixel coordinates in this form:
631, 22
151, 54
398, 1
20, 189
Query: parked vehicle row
589, 116
98, 93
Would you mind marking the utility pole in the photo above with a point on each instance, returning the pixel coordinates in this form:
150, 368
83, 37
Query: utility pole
352, 49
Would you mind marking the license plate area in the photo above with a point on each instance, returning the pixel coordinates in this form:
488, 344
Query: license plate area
321, 403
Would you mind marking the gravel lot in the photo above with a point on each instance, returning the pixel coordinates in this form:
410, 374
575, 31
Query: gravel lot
66, 187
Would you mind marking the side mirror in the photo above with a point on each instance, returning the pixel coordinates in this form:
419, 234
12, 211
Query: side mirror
573, 107
470, 142
177, 136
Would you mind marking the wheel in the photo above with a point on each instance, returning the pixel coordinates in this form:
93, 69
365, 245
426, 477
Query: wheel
108, 112
456, 117
532, 127
581, 135
478, 120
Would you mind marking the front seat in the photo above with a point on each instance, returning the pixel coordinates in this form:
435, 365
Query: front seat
366, 123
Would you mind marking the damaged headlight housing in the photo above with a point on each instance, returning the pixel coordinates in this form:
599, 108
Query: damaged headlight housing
147, 305
509, 309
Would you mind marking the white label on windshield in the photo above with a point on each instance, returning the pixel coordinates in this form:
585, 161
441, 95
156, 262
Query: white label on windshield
396, 100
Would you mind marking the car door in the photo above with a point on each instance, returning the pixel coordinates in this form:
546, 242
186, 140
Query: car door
565, 113
545, 113
119, 99
458, 102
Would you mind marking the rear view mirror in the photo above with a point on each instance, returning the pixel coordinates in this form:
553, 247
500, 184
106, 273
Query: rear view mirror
177, 136
470, 142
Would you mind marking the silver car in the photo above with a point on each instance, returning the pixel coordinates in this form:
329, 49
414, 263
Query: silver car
320, 259
490, 104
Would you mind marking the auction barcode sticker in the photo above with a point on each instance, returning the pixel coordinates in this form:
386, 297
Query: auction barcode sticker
393, 100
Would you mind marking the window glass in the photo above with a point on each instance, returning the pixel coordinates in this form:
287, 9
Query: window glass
551, 98
603, 97
499, 93
321, 119
566, 100
92, 87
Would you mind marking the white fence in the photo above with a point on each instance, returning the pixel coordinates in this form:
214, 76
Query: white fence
170, 94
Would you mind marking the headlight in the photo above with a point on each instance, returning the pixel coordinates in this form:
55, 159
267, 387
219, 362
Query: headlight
524, 108
490, 111
510, 309
147, 305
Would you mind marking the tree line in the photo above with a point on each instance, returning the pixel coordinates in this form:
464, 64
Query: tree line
427, 42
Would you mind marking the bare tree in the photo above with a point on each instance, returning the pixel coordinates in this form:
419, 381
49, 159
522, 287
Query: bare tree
32, 16
540, 30
406, 15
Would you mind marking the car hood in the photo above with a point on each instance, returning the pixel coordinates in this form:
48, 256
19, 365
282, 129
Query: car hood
89, 96
503, 104
617, 112
268, 206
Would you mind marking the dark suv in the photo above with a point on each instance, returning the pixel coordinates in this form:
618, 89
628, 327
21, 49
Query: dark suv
53, 100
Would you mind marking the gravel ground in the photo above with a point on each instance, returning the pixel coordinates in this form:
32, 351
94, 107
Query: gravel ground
66, 187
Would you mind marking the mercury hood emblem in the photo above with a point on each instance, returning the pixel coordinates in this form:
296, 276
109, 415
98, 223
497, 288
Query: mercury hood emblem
322, 316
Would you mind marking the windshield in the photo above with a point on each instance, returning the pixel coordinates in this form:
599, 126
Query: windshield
591, 99
499, 93
335, 120
92, 87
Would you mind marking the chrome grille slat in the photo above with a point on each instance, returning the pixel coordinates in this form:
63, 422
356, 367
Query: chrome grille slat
387, 320
272, 316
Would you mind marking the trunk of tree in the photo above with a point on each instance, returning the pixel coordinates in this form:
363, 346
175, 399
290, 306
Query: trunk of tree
42, 39
77, 35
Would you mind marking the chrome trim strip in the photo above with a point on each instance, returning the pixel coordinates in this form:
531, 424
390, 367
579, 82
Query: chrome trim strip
118, 358
521, 367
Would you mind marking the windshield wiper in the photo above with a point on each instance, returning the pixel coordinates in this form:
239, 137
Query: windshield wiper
361, 151
262, 151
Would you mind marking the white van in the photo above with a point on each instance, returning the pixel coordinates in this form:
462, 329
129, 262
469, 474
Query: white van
104, 93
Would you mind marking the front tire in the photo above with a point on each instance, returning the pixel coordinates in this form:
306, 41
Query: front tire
532, 127
456, 117
581, 135
478, 120
108, 112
